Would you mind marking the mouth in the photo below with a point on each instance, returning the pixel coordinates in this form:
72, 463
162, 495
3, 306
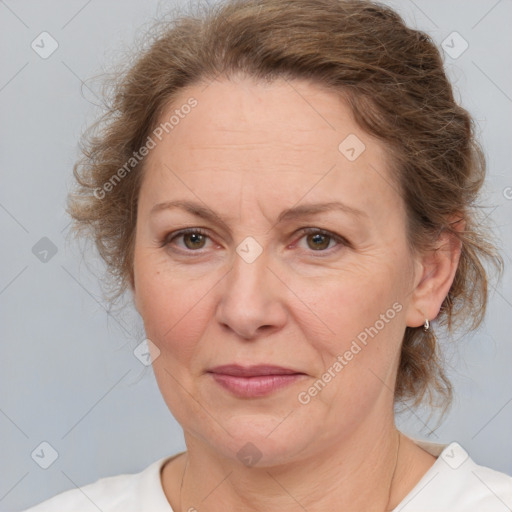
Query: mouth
237, 370
254, 381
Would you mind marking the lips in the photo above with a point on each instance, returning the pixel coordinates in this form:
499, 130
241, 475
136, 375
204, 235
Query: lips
254, 381
252, 371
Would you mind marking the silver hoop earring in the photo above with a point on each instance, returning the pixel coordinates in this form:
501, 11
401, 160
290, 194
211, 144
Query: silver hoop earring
426, 325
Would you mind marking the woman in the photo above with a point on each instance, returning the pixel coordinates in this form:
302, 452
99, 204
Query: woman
287, 190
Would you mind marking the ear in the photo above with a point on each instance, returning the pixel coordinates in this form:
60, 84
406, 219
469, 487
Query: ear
435, 272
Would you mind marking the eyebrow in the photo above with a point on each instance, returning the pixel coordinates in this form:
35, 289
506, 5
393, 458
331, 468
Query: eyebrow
296, 212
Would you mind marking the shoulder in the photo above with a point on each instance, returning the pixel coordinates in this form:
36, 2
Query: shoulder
121, 493
456, 483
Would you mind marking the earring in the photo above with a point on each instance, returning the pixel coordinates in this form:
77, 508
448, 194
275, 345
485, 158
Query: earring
426, 325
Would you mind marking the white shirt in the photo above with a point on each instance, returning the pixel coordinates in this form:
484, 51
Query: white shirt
455, 483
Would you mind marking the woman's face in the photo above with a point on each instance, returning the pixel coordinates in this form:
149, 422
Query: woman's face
274, 277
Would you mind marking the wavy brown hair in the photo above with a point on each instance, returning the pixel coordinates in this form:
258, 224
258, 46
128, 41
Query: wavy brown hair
394, 80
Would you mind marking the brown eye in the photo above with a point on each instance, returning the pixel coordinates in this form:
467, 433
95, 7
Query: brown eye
194, 240
322, 242
318, 241
188, 240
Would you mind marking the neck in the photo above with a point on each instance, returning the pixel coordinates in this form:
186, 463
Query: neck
358, 474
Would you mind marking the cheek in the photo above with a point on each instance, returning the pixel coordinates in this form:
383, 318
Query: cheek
357, 362
351, 302
357, 316
173, 308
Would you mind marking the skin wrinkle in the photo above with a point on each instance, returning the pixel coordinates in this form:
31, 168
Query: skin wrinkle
288, 307
358, 229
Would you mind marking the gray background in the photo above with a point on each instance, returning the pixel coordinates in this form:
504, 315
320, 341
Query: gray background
68, 374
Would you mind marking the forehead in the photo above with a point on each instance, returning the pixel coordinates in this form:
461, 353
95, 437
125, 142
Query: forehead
244, 114
283, 140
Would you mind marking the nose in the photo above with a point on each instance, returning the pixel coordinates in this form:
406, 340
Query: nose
252, 299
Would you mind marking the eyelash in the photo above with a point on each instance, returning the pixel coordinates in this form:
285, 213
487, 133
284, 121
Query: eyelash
341, 241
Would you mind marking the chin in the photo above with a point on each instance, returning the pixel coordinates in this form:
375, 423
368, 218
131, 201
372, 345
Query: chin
260, 440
